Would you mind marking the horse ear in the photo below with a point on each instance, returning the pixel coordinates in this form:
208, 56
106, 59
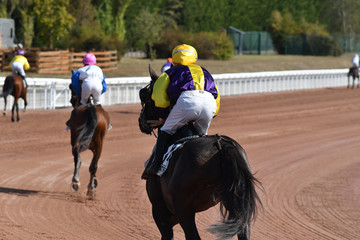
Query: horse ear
153, 75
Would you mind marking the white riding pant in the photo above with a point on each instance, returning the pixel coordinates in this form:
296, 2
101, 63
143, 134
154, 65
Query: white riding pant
91, 87
196, 105
18, 68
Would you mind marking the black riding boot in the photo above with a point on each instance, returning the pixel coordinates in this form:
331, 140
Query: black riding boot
161, 144
25, 82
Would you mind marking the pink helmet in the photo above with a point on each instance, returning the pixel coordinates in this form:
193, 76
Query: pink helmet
89, 59
20, 52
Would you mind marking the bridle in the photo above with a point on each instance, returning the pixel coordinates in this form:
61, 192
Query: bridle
147, 125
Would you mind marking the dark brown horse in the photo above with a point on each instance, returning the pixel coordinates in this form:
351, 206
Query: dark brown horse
88, 125
14, 85
206, 171
354, 73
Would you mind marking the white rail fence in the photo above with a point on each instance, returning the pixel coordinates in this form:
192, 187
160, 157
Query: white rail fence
51, 93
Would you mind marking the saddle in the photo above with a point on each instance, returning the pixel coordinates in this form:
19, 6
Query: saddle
182, 135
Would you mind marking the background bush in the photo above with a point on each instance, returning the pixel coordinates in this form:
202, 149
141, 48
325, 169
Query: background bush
209, 45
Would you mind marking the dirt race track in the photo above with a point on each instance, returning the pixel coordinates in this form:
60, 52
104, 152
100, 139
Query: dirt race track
303, 146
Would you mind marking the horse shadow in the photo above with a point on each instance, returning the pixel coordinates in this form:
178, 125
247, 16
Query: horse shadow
65, 196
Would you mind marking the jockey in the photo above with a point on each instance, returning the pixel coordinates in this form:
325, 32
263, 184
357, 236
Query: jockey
191, 92
167, 65
90, 77
19, 64
355, 60
89, 81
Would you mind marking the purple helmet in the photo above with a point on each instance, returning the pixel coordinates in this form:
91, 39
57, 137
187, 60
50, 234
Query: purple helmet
20, 52
89, 59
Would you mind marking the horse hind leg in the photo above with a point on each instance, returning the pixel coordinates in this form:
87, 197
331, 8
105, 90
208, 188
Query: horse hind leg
17, 112
163, 219
25, 104
187, 223
75, 185
353, 83
186, 217
5, 102
92, 169
13, 112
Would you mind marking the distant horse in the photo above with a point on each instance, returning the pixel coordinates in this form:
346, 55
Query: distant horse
88, 126
14, 85
205, 171
354, 73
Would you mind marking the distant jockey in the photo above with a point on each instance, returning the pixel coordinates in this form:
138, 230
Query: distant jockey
355, 60
89, 80
167, 65
19, 64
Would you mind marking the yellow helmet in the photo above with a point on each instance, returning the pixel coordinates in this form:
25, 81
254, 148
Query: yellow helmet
184, 55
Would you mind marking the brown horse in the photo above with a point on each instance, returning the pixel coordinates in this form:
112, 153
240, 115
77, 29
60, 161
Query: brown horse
205, 171
354, 73
88, 126
14, 85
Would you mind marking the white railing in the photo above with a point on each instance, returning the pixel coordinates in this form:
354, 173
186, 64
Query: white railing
51, 93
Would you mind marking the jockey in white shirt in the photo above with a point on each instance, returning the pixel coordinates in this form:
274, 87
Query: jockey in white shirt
91, 77
355, 60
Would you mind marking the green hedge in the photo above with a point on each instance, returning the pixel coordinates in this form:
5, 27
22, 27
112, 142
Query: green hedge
209, 45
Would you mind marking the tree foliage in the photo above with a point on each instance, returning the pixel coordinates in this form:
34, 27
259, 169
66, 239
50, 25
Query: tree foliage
53, 21
149, 27
99, 24
284, 24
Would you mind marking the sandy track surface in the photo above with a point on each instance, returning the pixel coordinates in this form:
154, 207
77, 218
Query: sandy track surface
303, 146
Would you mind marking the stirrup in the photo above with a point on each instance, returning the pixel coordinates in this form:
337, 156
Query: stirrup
109, 127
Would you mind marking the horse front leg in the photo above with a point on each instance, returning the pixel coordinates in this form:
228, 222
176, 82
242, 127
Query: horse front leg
164, 219
77, 164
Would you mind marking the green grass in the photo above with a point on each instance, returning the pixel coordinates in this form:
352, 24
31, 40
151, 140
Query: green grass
135, 67
240, 63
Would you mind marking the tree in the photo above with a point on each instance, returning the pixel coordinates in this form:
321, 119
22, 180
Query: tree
148, 29
27, 27
52, 20
111, 16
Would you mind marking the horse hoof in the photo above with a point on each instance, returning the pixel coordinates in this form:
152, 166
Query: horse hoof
4, 113
75, 186
91, 192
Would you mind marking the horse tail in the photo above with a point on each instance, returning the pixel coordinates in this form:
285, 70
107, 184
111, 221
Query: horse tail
238, 198
9, 86
88, 129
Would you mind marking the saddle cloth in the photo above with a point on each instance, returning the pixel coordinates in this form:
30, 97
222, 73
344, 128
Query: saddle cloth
166, 158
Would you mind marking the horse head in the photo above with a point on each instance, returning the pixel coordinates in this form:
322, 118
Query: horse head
148, 120
74, 100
